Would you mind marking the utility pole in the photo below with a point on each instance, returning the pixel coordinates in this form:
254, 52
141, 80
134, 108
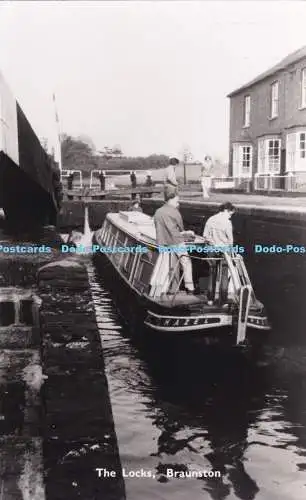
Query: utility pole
58, 134
186, 156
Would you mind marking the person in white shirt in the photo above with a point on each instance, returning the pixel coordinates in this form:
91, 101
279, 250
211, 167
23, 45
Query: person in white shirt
170, 177
206, 176
205, 182
218, 229
218, 232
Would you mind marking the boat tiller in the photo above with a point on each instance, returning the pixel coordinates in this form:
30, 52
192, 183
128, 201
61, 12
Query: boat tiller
244, 306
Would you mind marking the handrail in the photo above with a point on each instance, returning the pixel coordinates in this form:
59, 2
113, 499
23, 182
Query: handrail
170, 277
239, 283
91, 176
173, 275
245, 297
66, 172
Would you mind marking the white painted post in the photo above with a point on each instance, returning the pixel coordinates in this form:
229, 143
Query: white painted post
244, 306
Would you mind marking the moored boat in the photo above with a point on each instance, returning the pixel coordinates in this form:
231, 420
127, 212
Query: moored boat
151, 290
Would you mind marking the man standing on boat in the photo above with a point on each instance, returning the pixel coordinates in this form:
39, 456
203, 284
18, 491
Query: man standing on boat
218, 232
170, 233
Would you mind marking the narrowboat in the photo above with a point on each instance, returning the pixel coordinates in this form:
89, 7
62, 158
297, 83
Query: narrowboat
139, 275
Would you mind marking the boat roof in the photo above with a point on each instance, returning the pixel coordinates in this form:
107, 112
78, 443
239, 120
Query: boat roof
138, 225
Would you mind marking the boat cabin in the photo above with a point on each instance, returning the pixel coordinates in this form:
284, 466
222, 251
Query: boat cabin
128, 240
154, 272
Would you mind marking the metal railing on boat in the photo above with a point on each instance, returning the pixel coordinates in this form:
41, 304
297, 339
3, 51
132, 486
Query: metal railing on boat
244, 293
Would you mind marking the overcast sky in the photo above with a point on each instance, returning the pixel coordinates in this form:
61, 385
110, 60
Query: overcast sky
150, 76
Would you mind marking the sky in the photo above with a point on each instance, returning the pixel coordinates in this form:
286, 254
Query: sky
150, 76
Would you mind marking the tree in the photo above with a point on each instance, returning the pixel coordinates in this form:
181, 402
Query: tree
116, 150
76, 154
87, 140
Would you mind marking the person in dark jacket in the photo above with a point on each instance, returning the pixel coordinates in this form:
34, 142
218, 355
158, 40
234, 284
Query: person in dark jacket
133, 183
70, 180
149, 183
102, 179
135, 207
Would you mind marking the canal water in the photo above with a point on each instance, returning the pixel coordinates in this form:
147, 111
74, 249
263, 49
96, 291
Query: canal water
175, 408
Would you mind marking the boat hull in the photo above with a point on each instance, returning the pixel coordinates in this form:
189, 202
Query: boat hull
145, 317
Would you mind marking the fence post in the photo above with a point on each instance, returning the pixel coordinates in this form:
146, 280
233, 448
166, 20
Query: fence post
290, 182
256, 181
270, 188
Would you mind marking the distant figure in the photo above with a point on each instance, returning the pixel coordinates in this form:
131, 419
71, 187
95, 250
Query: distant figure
205, 183
133, 183
102, 178
170, 177
170, 232
70, 180
208, 164
149, 183
135, 207
218, 232
206, 176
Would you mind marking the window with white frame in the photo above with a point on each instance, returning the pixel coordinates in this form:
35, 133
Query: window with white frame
274, 155
247, 111
242, 160
274, 99
296, 151
269, 155
303, 88
302, 144
246, 159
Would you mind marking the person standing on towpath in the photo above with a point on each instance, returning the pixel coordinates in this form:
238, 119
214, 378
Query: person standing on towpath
170, 177
133, 183
218, 232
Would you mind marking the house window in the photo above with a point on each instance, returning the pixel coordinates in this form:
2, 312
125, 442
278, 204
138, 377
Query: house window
247, 111
274, 99
274, 154
303, 88
144, 271
242, 160
269, 156
296, 151
302, 145
246, 159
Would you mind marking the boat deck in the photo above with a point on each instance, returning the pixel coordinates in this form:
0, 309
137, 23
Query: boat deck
182, 298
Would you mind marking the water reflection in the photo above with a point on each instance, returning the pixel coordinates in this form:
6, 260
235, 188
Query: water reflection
176, 407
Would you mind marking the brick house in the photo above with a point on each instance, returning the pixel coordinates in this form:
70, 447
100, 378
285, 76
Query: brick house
268, 126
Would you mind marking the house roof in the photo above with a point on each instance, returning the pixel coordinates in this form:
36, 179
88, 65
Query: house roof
283, 64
